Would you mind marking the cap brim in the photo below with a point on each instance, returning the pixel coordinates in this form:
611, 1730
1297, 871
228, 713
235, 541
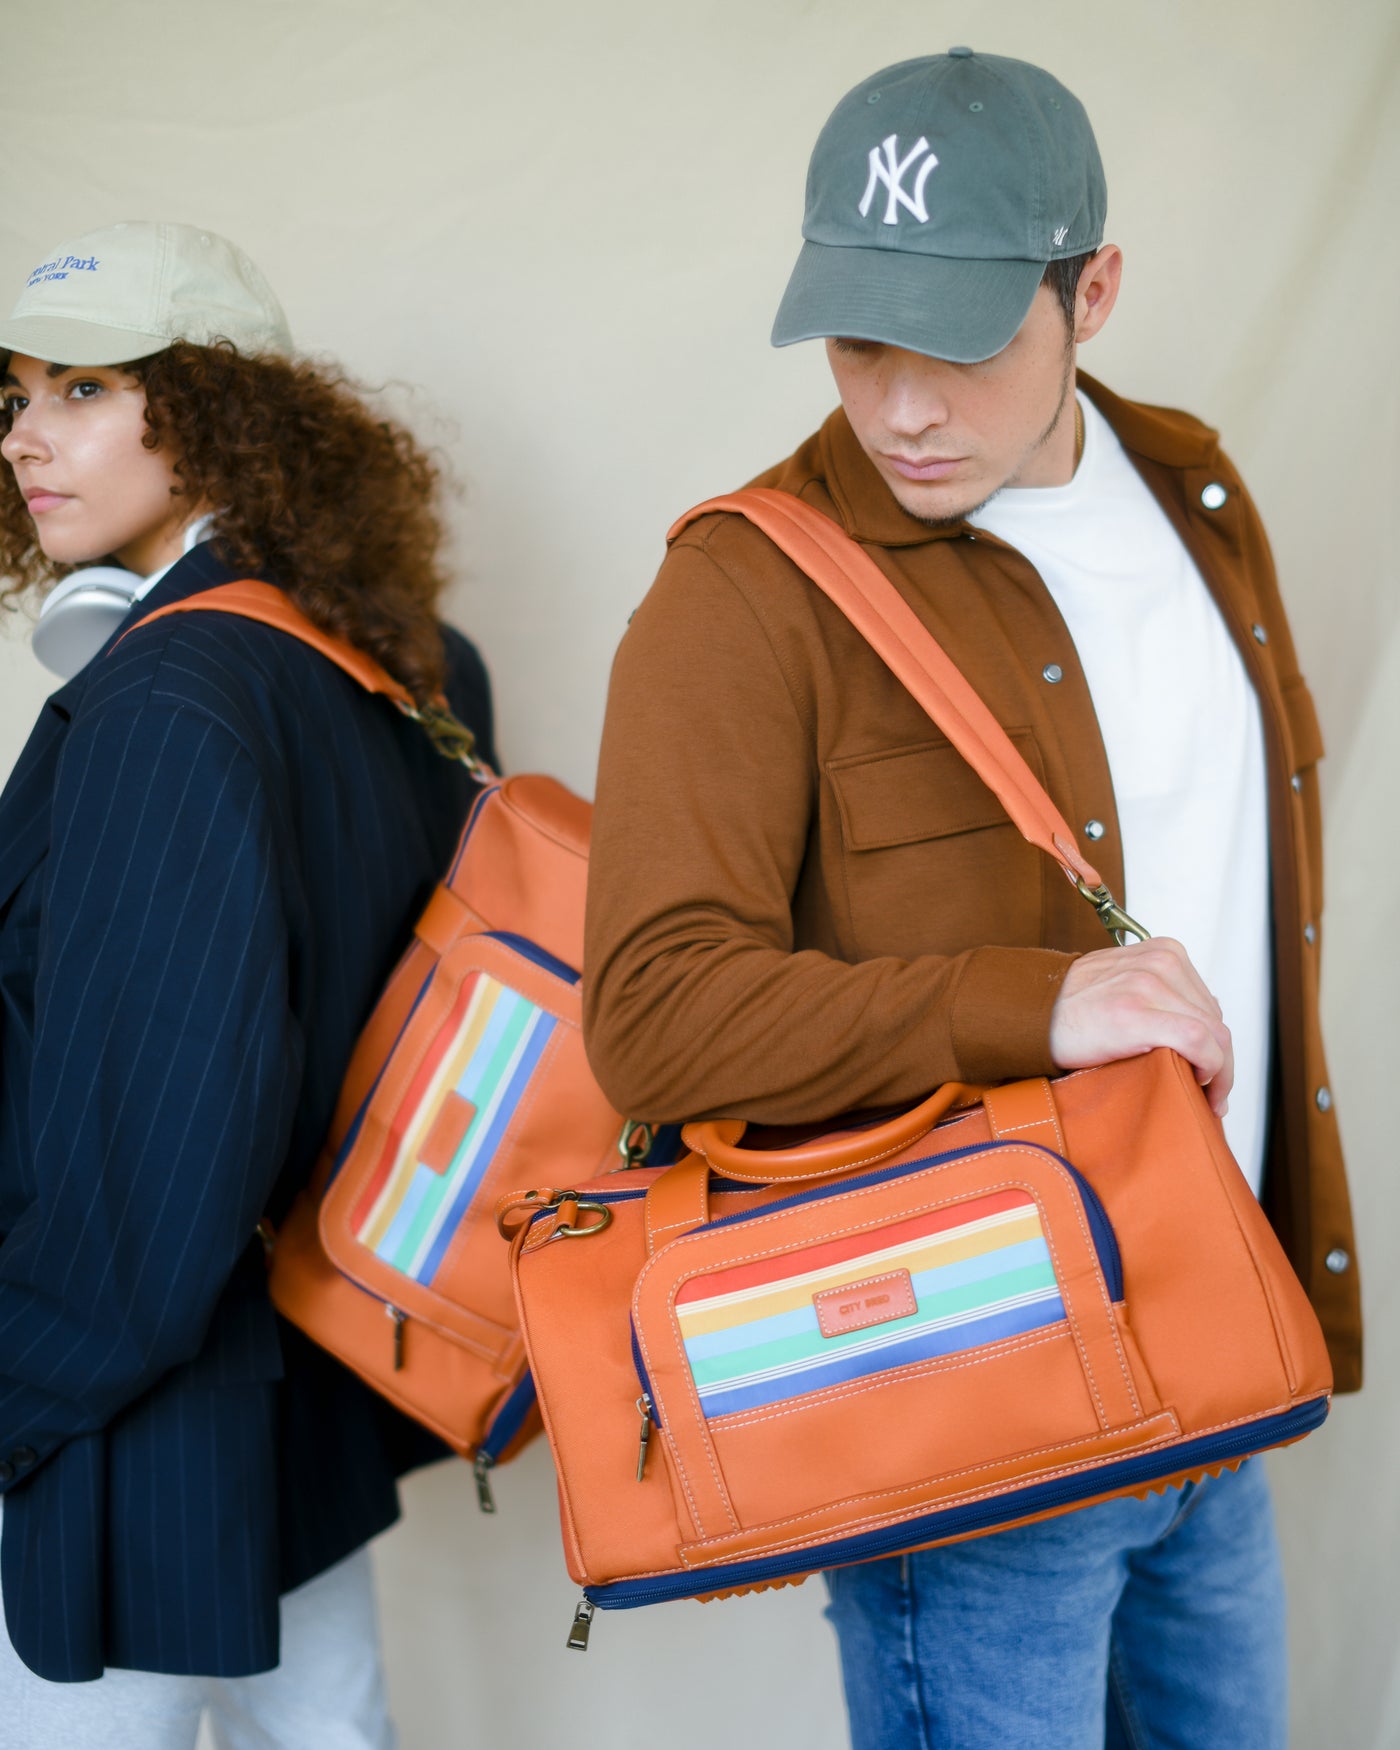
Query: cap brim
63, 340
964, 311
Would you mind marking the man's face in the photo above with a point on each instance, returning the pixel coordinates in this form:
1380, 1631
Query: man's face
946, 437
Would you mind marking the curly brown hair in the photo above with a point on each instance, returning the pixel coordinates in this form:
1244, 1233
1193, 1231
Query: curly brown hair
310, 487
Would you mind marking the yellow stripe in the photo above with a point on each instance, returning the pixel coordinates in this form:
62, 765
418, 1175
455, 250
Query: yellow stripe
449, 1072
702, 1317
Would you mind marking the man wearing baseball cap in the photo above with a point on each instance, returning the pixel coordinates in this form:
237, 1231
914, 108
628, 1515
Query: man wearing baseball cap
832, 913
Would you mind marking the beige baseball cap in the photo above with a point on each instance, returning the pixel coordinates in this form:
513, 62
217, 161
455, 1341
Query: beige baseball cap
133, 289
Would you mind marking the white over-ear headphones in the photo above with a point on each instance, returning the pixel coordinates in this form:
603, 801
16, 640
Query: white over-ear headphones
80, 614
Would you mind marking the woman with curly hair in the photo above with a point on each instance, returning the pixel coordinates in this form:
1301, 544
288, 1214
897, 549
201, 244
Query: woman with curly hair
211, 851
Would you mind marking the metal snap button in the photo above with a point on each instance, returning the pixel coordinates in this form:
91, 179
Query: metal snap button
1053, 673
1260, 635
1094, 829
1309, 934
1324, 1099
1338, 1260
1297, 782
1213, 495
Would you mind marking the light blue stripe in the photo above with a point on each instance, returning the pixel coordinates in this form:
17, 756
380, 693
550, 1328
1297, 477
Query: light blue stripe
470, 1084
802, 1321
918, 1346
422, 1182
524, 1069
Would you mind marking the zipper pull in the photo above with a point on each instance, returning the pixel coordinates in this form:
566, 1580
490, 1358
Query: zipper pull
644, 1411
583, 1621
399, 1319
481, 1470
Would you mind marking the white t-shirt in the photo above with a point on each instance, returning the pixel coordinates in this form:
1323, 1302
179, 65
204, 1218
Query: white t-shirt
1180, 724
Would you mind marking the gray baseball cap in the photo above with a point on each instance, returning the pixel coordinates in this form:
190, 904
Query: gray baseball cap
937, 192
133, 289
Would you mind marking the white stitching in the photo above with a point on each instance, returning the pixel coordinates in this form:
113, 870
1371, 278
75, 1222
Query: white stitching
737, 1420
1014, 1458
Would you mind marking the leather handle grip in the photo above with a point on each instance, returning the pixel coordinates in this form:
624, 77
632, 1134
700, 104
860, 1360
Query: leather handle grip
717, 1140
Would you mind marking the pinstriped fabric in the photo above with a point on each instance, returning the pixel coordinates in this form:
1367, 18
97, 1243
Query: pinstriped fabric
210, 852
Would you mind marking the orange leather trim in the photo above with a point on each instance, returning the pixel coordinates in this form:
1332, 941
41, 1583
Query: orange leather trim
1025, 1112
445, 918
448, 1129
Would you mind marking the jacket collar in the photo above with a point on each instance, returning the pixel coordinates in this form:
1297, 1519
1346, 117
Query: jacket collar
870, 512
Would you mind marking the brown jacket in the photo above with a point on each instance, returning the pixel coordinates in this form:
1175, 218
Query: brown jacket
801, 900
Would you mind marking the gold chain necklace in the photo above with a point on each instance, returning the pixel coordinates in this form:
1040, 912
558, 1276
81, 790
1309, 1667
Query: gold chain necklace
1078, 434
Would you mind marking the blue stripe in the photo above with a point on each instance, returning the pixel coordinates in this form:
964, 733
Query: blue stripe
917, 1346
544, 1028
992, 1513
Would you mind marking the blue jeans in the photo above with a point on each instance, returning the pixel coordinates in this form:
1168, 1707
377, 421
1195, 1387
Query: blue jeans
1147, 1625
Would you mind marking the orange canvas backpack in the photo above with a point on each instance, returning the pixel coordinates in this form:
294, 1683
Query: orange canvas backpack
997, 1307
469, 1077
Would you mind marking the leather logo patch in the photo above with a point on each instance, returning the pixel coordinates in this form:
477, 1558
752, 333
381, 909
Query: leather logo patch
875, 1301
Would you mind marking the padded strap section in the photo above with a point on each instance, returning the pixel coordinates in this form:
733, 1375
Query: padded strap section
1025, 1112
847, 574
678, 1201
251, 599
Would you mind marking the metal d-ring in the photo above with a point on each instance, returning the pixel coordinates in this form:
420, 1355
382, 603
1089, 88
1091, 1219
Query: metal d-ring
567, 1231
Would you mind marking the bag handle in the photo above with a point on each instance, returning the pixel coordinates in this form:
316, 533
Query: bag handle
679, 1200
251, 599
851, 579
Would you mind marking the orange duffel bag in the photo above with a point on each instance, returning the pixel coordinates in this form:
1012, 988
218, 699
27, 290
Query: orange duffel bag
997, 1307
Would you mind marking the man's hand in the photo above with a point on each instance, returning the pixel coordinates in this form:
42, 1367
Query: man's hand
1122, 1002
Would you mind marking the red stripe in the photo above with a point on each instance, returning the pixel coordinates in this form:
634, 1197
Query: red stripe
774, 1270
408, 1107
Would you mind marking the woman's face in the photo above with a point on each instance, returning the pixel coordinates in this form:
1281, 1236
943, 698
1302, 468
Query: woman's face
92, 487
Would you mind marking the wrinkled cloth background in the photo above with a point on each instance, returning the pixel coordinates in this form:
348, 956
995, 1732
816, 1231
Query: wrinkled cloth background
567, 227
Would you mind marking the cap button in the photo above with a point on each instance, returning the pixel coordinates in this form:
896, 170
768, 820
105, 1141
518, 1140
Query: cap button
962, 52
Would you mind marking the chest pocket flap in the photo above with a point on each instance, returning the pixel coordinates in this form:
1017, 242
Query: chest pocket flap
907, 794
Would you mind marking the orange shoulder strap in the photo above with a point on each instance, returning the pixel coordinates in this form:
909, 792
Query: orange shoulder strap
252, 600
847, 574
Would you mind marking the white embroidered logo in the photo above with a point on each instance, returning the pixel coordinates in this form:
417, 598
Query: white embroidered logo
1060, 236
891, 170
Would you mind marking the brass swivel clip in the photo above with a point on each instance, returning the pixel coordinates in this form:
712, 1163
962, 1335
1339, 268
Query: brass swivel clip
1111, 915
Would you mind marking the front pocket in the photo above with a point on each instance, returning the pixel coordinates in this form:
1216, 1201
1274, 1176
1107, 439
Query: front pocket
873, 1336
468, 1105
936, 1284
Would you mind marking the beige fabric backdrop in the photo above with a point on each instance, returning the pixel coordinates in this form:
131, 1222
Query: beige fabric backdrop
568, 225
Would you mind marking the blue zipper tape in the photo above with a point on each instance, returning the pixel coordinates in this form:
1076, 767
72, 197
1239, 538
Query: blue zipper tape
1123, 1473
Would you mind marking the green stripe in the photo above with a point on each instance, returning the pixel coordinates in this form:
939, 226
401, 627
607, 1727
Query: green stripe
485, 1089
973, 1297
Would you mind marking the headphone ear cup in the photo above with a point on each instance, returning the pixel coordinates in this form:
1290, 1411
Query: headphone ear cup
80, 614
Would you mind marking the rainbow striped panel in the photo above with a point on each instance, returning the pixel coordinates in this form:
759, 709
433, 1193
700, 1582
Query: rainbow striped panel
980, 1271
486, 1051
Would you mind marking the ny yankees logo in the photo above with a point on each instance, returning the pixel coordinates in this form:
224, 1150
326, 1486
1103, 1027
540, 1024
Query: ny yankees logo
890, 170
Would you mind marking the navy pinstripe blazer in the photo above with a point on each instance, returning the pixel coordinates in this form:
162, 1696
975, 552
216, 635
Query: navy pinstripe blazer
211, 853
